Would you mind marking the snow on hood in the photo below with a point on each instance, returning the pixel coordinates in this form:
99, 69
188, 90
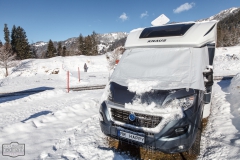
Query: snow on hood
140, 87
147, 104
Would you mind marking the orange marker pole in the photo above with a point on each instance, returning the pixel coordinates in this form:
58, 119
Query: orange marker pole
78, 74
68, 81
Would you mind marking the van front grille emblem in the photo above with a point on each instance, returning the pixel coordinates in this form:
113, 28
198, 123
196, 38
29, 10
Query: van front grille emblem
132, 117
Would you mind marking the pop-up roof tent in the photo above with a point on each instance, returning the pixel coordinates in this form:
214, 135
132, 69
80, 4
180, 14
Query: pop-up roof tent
174, 55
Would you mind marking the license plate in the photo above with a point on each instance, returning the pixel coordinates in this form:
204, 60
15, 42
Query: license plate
130, 136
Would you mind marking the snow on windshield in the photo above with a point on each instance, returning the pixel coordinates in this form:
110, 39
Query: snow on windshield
172, 68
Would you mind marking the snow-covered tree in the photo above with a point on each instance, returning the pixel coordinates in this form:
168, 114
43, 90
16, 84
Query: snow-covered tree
6, 58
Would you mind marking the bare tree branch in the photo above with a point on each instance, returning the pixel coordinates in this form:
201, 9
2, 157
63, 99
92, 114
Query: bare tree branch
6, 58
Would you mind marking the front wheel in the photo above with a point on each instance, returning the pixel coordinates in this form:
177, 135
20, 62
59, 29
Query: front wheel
195, 149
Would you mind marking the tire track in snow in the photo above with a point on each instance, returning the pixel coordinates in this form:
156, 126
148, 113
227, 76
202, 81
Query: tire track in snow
47, 101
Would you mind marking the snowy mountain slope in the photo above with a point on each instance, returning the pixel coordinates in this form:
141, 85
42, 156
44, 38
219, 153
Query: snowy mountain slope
111, 37
105, 40
221, 15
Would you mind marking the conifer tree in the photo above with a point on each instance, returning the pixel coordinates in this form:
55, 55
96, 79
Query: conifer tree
88, 45
14, 39
22, 46
64, 51
81, 44
94, 43
51, 50
1, 44
6, 37
6, 34
59, 49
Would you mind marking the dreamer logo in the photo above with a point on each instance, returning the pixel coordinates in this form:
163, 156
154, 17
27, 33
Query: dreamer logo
158, 40
13, 149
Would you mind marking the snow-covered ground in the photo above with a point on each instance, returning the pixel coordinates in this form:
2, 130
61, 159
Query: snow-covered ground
54, 124
226, 61
32, 73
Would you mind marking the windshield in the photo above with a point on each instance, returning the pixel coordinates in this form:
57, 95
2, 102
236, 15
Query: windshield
121, 94
162, 68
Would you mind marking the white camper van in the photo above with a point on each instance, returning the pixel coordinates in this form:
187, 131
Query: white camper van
157, 92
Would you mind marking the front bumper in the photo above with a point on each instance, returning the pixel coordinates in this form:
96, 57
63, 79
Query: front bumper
160, 141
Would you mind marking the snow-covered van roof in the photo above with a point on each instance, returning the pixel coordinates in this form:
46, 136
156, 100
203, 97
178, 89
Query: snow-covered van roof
189, 34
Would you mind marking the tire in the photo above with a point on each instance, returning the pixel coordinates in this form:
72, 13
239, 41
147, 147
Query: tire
195, 149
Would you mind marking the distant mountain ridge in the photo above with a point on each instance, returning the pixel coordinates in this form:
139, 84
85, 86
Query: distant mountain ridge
228, 34
221, 15
105, 41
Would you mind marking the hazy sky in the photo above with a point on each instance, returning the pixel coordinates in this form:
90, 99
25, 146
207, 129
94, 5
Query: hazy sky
61, 19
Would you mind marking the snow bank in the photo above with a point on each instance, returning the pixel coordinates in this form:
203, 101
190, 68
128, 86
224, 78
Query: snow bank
227, 61
220, 139
235, 94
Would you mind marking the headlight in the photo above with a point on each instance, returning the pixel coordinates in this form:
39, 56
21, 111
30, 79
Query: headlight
185, 103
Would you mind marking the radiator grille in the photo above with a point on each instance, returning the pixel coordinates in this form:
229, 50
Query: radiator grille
142, 120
